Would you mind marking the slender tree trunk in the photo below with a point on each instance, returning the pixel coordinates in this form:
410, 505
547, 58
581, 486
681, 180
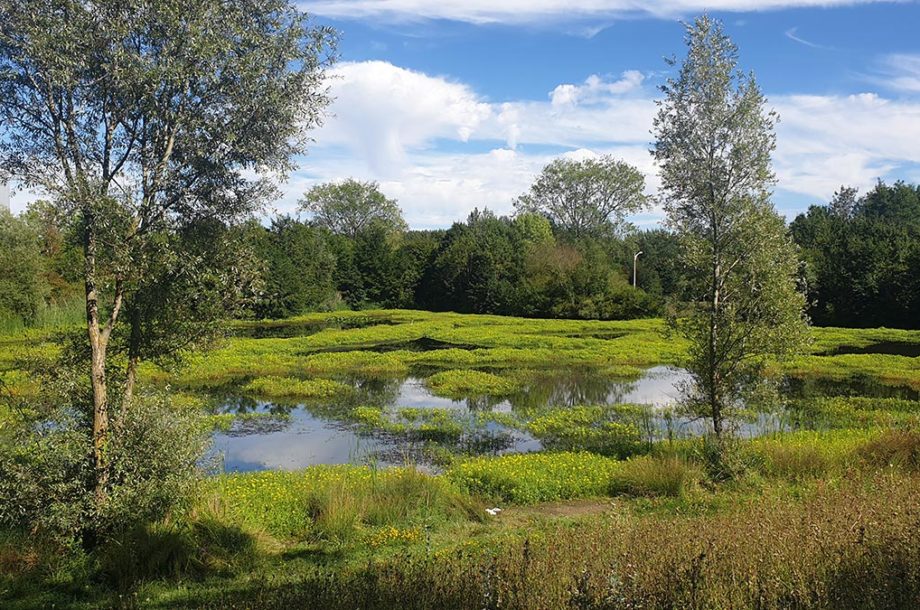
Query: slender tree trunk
134, 357
98, 343
715, 396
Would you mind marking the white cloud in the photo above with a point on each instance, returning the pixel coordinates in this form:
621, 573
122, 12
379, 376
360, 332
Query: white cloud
900, 71
453, 150
824, 141
595, 89
383, 110
529, 11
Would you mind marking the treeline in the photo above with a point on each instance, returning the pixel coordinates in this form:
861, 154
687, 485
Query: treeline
862, 257
486, 264
860, 254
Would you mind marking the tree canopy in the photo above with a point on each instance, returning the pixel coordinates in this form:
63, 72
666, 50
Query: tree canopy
586, 198
143, 120
351, 206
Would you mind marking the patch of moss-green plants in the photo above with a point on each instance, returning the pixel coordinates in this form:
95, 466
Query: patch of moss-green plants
287, 387
463, 383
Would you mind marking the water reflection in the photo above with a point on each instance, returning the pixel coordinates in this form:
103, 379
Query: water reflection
292, 435
295, 434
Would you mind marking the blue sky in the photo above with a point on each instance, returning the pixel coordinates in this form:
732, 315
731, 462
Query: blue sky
454, 104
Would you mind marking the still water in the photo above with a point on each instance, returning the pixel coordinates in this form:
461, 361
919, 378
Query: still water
288, 436
292, 436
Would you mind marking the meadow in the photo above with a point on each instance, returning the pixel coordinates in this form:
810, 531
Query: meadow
605, 501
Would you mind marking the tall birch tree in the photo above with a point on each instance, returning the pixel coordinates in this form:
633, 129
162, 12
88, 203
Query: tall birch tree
715, 137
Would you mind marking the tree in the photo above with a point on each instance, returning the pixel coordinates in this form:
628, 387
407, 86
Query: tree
714, 140
22, 290
844, 202
140, 118
299, 267
350, 207
861, 257
586, 198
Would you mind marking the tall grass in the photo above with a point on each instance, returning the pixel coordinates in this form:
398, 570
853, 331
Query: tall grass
48, 317
854, 546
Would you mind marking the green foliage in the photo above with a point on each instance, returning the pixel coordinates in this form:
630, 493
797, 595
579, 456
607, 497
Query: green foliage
299, 268
339, 503
462, 383
351, 207
287, 387
47, 481
22, 291
862, 255
591, 197
714, 140
599, 429
656, 476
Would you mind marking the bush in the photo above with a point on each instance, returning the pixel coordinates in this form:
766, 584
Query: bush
47, 478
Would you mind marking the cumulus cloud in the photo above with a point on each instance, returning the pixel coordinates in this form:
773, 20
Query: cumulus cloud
384, 110
529, 11
455, 150
595, 89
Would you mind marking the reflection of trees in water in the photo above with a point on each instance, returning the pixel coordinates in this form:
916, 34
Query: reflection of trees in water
482, 403
855, 385
571, 389
378, 391
241, 405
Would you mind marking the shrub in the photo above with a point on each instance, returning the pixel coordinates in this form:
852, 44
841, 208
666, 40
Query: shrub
47, 478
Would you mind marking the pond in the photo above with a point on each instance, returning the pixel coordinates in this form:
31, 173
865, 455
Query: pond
292, 435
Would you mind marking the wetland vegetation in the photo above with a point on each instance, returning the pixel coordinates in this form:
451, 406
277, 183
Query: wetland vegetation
351, 468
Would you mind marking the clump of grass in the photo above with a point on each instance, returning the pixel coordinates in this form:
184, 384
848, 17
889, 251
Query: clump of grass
462, 383
288, 387
852, 412
893, 448
536, 477
367, 364
202, 543
656, 476
807, 454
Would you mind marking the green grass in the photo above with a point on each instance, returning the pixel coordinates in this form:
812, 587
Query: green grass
339, 503
536, 477
839, 503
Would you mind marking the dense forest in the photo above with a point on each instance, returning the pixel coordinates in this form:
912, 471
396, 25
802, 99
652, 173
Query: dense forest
859, 257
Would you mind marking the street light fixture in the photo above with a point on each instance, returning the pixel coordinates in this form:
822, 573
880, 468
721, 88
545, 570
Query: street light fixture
635, 262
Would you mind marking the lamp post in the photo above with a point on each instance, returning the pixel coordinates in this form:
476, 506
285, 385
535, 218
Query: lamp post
635, 263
